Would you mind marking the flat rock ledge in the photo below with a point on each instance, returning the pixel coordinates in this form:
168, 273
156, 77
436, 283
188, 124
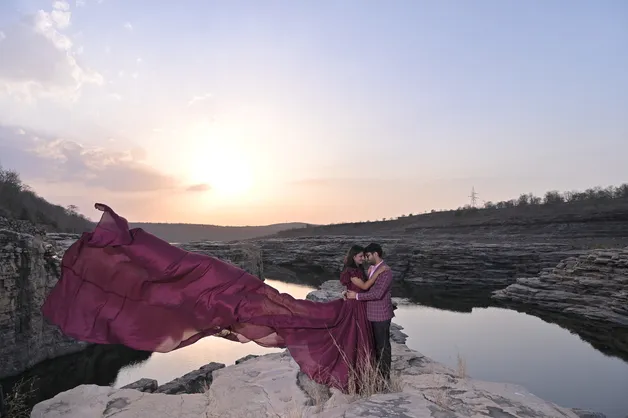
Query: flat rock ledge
272, 386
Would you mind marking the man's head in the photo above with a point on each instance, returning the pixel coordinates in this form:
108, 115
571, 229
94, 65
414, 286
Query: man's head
373, 253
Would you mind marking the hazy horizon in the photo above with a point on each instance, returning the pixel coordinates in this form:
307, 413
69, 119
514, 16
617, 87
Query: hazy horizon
257, 113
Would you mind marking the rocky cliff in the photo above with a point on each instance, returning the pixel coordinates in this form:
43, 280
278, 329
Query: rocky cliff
593, 286
591, 289
272, 386
29, 269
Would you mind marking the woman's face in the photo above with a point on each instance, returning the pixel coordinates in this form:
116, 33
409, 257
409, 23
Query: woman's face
359, 258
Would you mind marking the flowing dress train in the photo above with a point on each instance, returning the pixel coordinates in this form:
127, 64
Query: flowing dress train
127, 286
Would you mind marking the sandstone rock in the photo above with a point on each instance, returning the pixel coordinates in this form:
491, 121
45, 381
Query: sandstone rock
89, 401
196, 381
267, 387
245, 358
143, 385
29, 269
592, 286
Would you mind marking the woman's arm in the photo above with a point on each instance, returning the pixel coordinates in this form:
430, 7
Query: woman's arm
362, 284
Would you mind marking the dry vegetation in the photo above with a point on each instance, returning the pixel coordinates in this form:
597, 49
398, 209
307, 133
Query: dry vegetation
17, 402
461, 368
18, 201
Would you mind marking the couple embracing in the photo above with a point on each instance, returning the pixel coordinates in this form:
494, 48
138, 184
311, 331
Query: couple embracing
372, 291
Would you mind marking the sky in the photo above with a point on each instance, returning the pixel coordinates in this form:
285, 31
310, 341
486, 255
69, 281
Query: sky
257, 112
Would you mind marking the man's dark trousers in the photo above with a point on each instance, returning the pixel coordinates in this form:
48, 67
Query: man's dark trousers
383, 351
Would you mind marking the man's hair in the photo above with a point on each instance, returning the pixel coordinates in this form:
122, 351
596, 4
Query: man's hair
374, 248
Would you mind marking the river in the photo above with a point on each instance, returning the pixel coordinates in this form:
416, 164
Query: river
496, 344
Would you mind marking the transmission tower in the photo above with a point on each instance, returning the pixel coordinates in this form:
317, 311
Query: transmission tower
473, 196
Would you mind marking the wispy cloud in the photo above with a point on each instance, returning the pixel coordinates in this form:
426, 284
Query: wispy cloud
202, 187
198, 99
38, 59
128, 26
60, 160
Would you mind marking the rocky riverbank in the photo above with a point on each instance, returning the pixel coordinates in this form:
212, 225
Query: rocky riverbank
272, 386
592, 286
587, 294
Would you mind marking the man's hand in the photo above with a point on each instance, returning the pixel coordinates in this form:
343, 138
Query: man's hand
350, 294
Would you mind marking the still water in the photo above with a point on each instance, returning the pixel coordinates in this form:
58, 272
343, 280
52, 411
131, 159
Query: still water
497, 345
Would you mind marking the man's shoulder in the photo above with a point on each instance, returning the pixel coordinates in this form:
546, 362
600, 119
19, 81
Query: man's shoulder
386, 269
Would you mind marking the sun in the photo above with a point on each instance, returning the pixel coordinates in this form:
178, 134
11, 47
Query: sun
228, 174
232, 181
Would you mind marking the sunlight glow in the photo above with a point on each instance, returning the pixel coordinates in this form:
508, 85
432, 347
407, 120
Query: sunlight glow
222, 162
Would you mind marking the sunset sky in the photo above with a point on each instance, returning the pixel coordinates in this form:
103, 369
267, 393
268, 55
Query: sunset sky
256, 112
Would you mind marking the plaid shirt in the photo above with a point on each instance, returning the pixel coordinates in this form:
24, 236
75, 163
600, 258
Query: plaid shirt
378, 298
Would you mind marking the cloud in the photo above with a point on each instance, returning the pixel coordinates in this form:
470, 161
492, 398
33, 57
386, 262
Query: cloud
56, 160
128, 26
202, 187
37, 59
197, 99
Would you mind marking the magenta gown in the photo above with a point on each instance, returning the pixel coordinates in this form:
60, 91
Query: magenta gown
121, 286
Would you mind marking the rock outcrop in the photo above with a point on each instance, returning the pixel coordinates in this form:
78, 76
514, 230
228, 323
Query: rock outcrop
245, 255
272, 386
29, 269
587, 295
592, 286
456, 265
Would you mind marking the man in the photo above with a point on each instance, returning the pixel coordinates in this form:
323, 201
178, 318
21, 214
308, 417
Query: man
379, 307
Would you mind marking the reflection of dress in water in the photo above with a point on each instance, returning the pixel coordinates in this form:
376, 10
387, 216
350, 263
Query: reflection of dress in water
121, 286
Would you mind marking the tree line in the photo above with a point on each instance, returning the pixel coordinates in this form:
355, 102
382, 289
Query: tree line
595, 194
18, 201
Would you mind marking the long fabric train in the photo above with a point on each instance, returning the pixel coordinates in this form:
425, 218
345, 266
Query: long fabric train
121, 286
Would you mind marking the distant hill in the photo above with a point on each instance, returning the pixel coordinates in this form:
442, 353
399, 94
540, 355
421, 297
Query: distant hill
596, 205
18, 201
196, 232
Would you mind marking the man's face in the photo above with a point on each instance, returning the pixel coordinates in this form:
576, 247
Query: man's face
369, 258
359, 259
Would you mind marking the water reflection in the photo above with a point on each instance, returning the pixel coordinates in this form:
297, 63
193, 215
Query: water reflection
97, 365
507, 346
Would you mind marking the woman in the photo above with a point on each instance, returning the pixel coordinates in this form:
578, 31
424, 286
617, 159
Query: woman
352, 276
126, 286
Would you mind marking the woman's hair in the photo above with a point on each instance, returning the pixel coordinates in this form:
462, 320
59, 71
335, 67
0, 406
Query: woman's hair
353, 251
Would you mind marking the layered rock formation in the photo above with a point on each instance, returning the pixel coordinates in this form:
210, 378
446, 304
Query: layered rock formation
587, 294
245, 255
593, 286
272, 386
29, 269
456, 265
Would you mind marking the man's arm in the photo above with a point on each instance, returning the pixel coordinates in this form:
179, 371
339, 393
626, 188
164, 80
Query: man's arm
382, 284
